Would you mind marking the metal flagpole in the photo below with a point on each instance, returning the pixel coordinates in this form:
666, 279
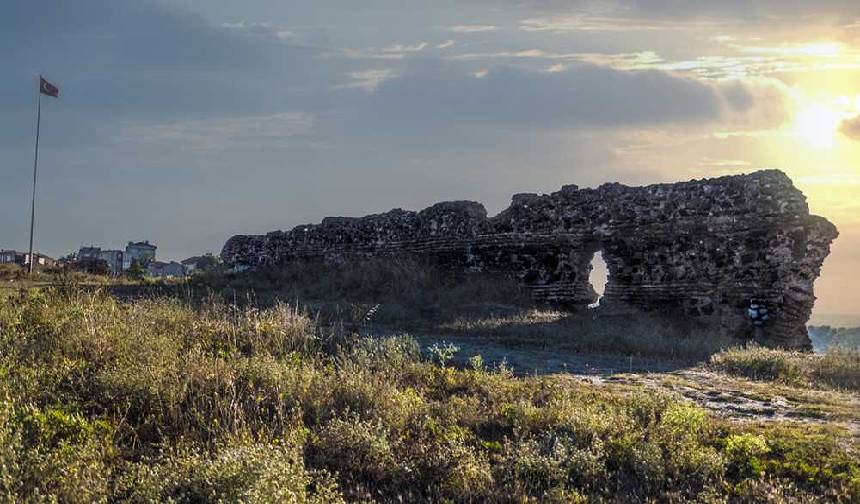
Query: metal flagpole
35, 168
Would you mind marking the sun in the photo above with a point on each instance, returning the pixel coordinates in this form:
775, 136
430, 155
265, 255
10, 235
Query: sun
817, 125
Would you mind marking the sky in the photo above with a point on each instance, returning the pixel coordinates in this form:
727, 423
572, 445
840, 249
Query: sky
185, 122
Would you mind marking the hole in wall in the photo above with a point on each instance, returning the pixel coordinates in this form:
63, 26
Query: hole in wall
598, 277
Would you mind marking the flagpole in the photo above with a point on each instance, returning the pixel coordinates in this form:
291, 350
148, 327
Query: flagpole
35, 168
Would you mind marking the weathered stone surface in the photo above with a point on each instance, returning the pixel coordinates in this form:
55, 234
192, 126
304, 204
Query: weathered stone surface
704, 247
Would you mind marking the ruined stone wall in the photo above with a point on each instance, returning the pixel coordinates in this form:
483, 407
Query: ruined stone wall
703, 247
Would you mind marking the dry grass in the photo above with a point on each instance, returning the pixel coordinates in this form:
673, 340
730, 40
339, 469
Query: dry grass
406, 295
400, 281
525, 318
649, 335
158, 401
838, 368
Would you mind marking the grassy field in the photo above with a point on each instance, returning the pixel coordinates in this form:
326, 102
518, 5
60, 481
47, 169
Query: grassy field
401, 295
837, 368
14, 278
160, 400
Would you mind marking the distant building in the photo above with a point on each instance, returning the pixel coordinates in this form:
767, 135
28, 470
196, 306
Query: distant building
114, 260
41, 260
87, 254
172, 269
142, 252
191, 263
8, 257
119, 260
23, 258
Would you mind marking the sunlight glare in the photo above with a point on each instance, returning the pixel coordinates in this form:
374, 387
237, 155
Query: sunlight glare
816, 125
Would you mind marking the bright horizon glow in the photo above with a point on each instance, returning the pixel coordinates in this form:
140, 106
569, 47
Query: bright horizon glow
817, 125
817, 49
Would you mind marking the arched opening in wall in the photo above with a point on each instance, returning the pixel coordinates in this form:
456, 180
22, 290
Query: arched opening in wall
598, 277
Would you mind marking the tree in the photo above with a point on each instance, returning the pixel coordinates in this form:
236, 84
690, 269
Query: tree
136, 271
94, 267
207, 262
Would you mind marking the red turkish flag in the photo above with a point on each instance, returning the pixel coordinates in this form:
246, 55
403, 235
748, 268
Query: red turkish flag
46, 88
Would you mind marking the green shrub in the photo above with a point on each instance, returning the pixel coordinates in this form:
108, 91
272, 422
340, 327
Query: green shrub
53, 455
745, 452
238, 471
360, 452
554, 465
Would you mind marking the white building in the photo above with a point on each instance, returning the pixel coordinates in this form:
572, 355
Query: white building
142, 252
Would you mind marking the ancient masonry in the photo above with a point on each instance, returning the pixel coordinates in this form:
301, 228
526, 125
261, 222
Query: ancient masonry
704, 248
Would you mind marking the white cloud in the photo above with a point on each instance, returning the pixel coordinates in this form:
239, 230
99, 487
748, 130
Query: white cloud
405, 48
260, 30
621, 61
370, 54
743, 61
579, 96
589, 23
369, 80
472, 28
392, 52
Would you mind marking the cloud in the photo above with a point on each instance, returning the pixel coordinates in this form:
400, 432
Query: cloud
392, 53
405, 48
851, 127
562, 23
744, 9
683, 16
622, 61
476, 28
369, 80
736, 61
579, 96
122, 59
704, 10
220, 133
261, 30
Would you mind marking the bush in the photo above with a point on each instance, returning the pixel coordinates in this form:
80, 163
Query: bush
238, 471
52, 453
359, 451
745, 452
